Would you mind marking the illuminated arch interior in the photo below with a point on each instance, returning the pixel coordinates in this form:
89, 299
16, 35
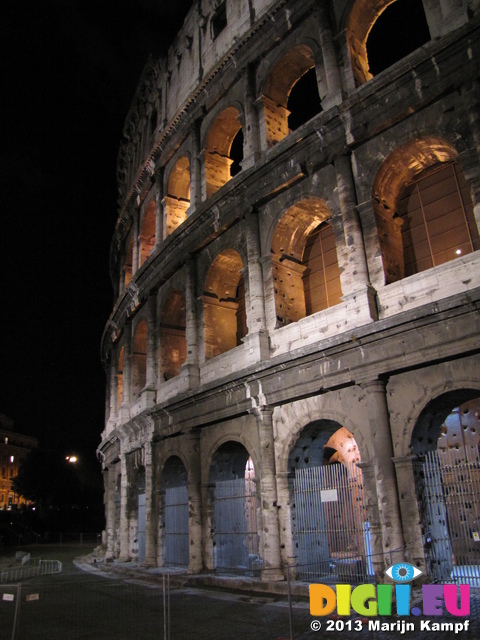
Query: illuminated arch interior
361, 20
173, 344
178, 195
280, 84
304, 262
423, 208
224, 304
218, 149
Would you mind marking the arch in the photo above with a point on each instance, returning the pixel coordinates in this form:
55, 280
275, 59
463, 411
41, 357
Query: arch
177, 199
218, 149
139, 358
446, 441
304, 261
423, 208
329, 512
234, 503
224, 304
173, 344
147, 231
361, 19
279, 85
432, 420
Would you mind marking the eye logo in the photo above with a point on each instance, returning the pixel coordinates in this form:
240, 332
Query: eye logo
403, 572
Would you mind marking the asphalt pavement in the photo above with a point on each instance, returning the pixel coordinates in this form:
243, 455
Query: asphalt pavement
125, 601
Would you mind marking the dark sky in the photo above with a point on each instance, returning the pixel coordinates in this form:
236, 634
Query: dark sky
69, 69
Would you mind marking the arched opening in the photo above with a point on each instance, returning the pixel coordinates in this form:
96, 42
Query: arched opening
303, 101
234, 509
139, 359
147, 232
173, 344
175, 513
224, 304
381, 32
177, 199
290, 94
304, 262
446, 441
120, 379
221, 138
329, 518
423, 209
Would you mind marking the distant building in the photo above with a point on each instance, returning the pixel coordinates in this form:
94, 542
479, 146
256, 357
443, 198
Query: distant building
14, 447
293, 353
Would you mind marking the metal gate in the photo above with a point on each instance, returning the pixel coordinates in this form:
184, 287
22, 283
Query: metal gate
449, 497
141, 527
176, 526
330, 525
235, 525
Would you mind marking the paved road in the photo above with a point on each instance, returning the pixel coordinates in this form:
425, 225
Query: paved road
77, 605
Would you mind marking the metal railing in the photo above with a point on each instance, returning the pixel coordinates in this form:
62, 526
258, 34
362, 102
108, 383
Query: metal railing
43, 568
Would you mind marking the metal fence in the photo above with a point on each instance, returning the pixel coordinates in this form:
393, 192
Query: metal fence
32, 569
236, 542
330, 524
449, 497
176, 526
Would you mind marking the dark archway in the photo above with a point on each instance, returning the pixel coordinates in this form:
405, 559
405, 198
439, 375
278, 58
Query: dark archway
446, 441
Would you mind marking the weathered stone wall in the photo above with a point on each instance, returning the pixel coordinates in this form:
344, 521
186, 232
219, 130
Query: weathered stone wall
368, 366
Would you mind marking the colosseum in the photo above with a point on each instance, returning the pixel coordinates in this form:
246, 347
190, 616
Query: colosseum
293, 354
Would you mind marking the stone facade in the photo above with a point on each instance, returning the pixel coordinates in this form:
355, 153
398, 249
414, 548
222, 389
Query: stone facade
289, 293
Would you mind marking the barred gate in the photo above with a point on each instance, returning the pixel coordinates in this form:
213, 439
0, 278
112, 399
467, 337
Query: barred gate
235, 525
176, 526
330, 524
449, 497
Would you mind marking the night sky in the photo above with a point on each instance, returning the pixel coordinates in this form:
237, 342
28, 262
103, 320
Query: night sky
69, 70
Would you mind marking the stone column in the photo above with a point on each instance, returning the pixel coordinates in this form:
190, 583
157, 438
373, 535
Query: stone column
110, 479
270, 532
191, 328
256, 313
135, 256
151, 519
386, 485
287, 551
195, 168
330, 61
409, 511
151, 365
124, 508
112, 382
199, 313
269, 292
371, 498
190, 313
472, 100
251, 145
357, 262
127, 373
346, 70
195, 564
159, 178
